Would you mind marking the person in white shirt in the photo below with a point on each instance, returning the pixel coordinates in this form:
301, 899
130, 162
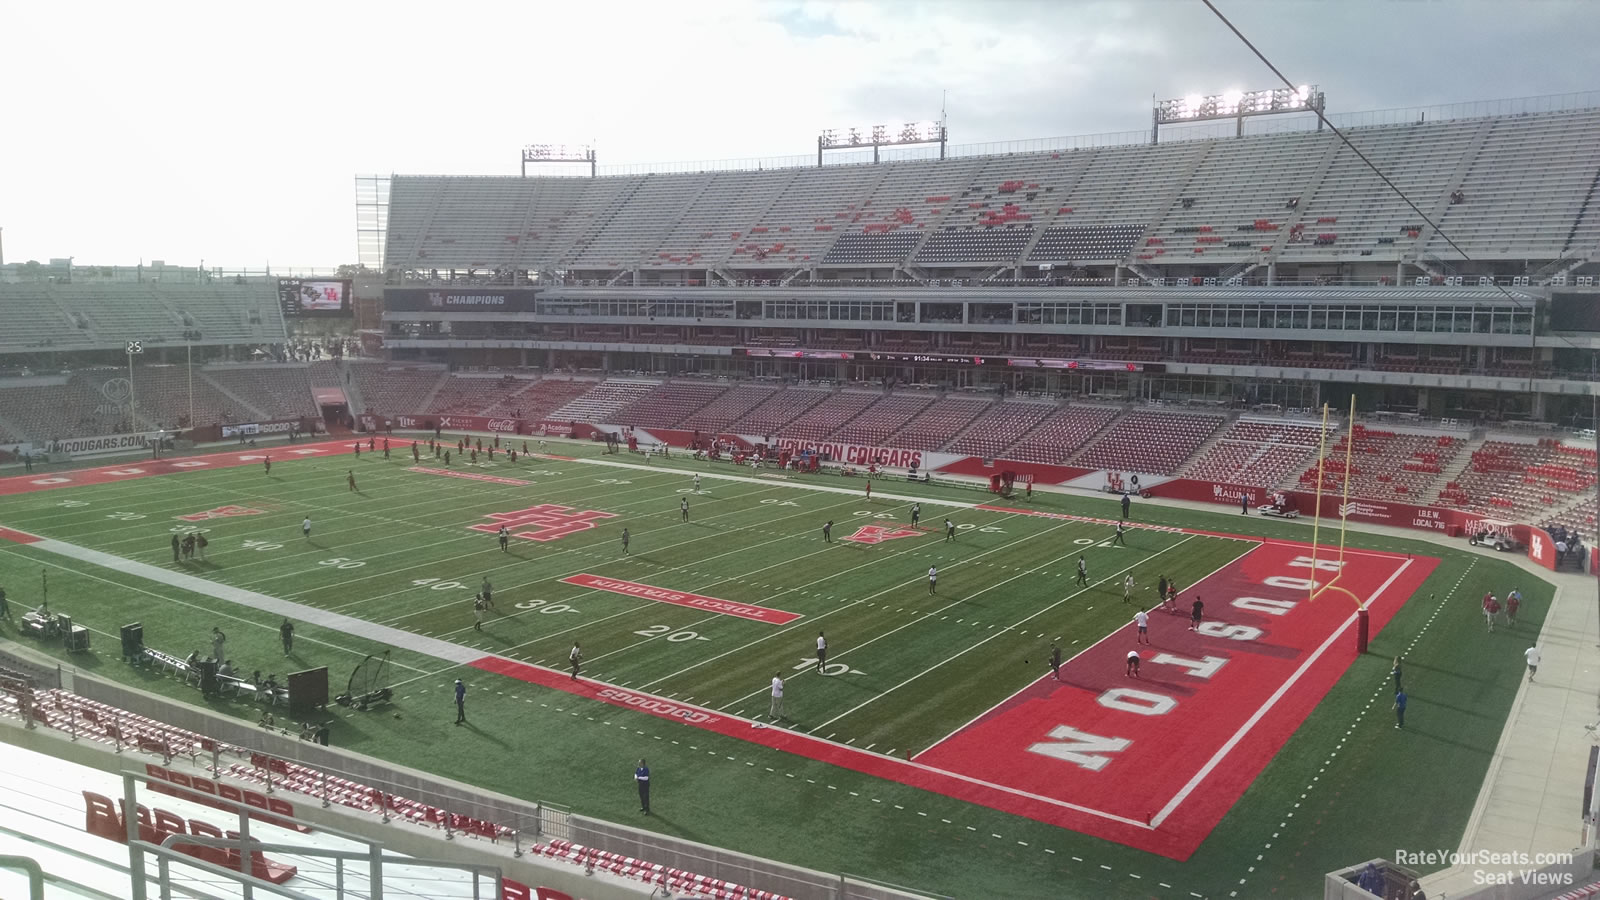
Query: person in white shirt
822, 653
933, 579
1532, 656
697, 482
1127, 589
305, 527
1142, 620
775, 711
1133, 664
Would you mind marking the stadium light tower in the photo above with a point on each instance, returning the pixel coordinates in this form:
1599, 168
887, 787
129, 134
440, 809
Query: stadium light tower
558, 153
882, 136
1237, 105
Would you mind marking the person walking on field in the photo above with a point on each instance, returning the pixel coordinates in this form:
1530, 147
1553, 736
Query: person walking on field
949, 530
1055, 660
176, 548
505, 539
624, 541
1399, 709
916, 514
1125, 505
1083, 573
1141, 620
683, 510
575, 660
461, 702
822, 653
350, 478
775, 710
1513, 602
266, 463
1532, 656
1127, 588
933, 579
286, 634
827, 532
305, 527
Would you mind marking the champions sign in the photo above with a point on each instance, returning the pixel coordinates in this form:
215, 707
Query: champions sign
495, 299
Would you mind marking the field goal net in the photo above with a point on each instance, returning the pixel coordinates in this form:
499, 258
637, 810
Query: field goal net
369, 683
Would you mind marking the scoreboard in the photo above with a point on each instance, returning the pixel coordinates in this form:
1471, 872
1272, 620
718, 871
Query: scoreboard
314, 297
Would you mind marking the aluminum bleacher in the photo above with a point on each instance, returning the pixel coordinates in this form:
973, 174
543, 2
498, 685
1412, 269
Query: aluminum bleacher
772, 415
879, 424
394, 390
670, 403
1386, 465
1298, 196
105, 314
1523, 481
1060, 434
1258, 452
470, 395
737, 403
537, 399
163, 398
999, 426
61, 406
603, 401
933, 426
279, 391
1149, 441
828, 414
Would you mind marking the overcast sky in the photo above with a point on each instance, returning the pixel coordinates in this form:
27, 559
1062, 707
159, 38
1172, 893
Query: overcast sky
231, 133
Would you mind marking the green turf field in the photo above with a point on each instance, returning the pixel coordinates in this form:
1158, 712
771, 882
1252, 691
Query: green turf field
916, 667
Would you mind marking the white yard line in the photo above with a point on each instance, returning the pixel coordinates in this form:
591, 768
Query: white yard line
1108, 636
960, 653
348, 624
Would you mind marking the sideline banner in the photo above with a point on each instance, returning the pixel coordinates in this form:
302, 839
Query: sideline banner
103, 444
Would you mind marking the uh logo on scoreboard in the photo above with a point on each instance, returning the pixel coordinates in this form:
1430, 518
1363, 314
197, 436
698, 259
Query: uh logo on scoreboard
545, 522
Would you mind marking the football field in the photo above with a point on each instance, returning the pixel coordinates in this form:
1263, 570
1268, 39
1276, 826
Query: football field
928, 687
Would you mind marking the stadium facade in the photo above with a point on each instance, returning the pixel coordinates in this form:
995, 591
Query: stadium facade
1274, 269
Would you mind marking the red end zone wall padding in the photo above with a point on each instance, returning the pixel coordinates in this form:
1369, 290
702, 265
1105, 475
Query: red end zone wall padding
1381, 512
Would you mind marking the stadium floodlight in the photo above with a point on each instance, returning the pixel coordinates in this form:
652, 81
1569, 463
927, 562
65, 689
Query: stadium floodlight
876, 136
1235, 104
558, 153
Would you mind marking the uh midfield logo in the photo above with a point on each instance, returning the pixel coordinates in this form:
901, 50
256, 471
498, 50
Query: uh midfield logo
545, 522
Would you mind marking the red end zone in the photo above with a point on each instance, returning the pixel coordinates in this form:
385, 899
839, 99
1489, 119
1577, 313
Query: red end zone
1156, 761
1153, 762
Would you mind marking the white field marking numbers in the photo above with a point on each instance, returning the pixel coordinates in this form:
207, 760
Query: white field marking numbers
340, 562
544, 607
436, 584
125, 516
73, 504
868, 512
612, 481
829, 669
707, 493
770, 501
546, 472
1084, 542
982, 529
676, 637
188, 529
259, 545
